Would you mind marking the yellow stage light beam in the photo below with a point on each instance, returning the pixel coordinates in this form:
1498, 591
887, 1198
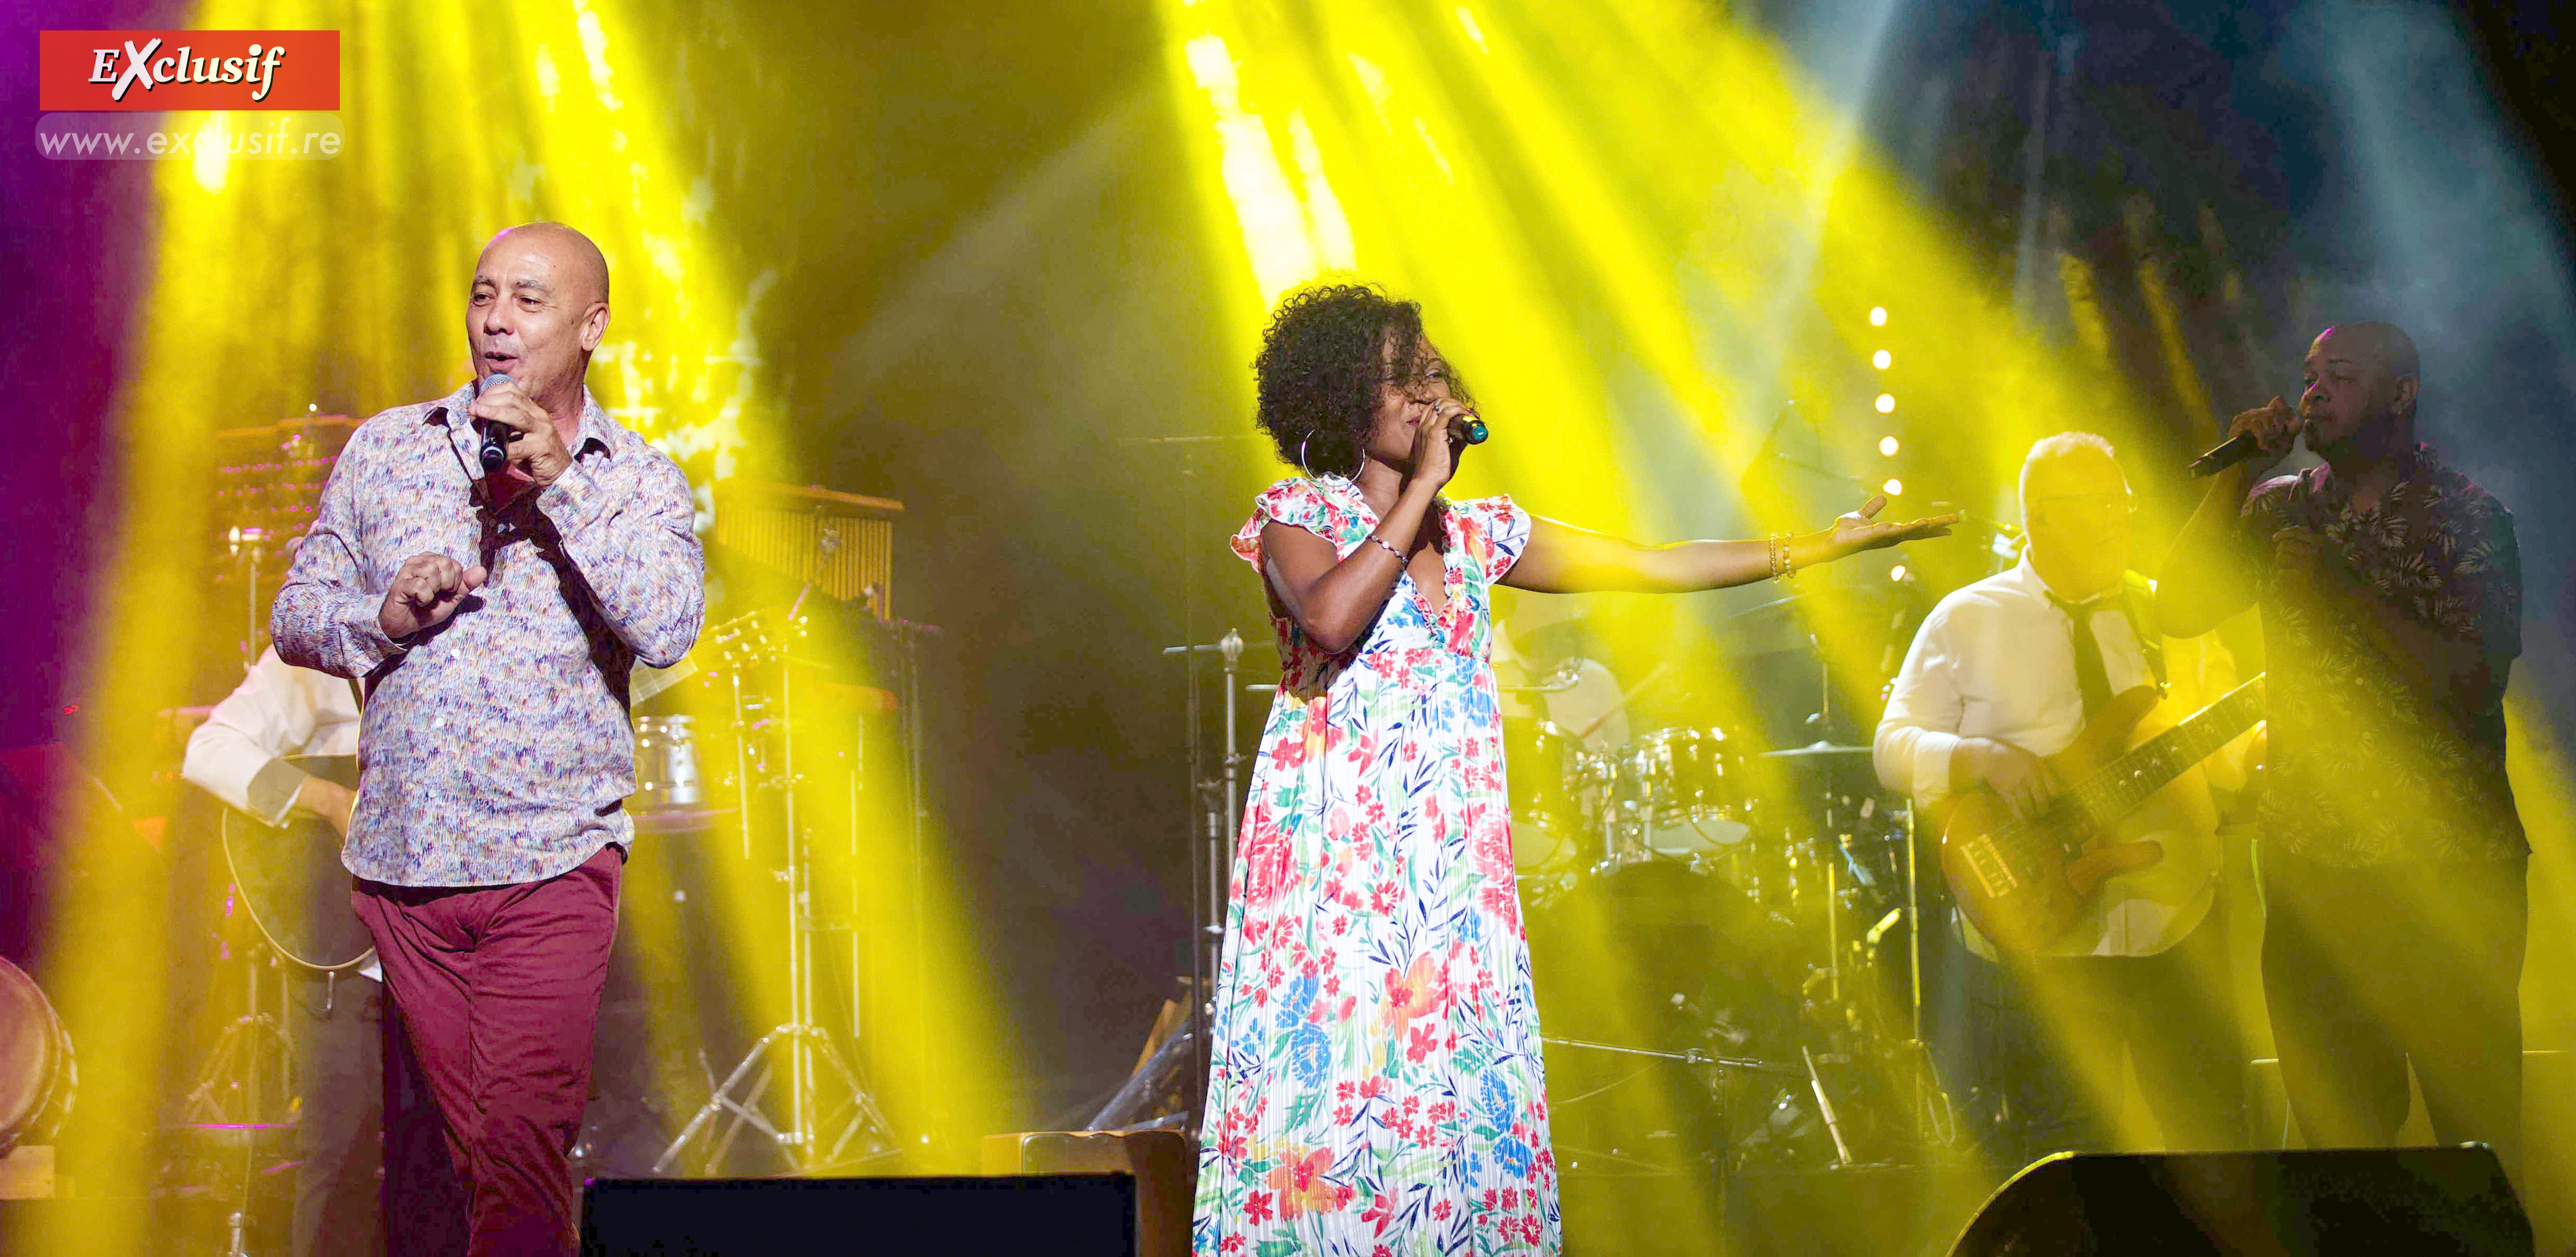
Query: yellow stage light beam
348, 275
1584, 219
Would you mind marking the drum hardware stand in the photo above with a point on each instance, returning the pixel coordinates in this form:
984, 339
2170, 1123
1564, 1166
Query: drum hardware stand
256, 1041
238, 1065
255, 1032
1207, 852
1152, 1078
907, 636
800, 1138
1825, 1108
1220, 805
240, 1059
1686, 1056
1936, 1120
247, 545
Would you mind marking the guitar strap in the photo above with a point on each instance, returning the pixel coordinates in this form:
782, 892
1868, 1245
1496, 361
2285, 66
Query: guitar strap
2137, 595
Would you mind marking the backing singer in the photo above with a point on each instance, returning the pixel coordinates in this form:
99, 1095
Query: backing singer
1376, 1082
496, 619
2393, 863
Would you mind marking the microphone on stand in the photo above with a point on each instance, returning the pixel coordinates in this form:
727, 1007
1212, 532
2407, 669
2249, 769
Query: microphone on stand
496, 435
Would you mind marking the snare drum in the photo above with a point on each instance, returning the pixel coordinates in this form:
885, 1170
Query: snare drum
1678, 791
1558, 791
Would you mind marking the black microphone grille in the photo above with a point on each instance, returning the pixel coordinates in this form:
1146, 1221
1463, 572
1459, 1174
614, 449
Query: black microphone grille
495, 449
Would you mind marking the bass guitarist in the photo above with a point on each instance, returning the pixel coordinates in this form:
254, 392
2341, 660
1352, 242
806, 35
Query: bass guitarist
2004, 673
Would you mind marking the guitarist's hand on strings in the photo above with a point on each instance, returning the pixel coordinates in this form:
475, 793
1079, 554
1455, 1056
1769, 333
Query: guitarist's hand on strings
2022, 780
329, 800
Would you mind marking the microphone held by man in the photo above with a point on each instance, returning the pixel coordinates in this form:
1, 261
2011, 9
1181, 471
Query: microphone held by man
2268, 429
515, 431
496, 435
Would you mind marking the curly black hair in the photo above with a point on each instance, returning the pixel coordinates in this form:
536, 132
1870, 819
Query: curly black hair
1320, 366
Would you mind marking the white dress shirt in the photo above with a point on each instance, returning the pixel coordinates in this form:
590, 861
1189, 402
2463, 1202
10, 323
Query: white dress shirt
278, 710
1996, 659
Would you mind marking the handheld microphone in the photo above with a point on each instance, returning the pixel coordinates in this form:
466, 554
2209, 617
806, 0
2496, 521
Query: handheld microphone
1473, 429
496, 435
2226, 454
2237, 449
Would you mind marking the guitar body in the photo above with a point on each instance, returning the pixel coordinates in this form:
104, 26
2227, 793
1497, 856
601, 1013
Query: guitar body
2028, 886
291, 881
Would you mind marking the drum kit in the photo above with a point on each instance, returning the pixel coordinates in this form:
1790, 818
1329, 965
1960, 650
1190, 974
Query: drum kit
1749, 993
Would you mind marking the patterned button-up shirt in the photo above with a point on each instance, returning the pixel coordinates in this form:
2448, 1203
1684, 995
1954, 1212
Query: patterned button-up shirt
495, 746
2368, 769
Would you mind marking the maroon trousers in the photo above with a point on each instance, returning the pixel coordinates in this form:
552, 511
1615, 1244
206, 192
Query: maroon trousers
496, 990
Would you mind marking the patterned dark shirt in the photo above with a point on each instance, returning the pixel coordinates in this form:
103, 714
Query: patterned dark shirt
2367, 768
495, 746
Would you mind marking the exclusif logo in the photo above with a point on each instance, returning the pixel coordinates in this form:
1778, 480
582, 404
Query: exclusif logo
100, 71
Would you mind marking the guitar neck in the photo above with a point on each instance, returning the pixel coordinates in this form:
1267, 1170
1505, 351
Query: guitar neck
2125, 783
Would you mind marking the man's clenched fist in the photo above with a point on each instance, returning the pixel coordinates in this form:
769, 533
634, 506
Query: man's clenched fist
426, 591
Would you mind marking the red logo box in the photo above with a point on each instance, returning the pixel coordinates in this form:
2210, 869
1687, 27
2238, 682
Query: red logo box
100, 71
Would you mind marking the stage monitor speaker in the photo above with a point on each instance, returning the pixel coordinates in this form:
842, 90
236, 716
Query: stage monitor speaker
1165, 1166
2387, 1202
1075, 1215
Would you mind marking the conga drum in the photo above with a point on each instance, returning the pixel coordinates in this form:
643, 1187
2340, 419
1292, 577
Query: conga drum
36, 1075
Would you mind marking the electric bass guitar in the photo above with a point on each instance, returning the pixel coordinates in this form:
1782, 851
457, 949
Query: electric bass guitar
291, 881
2026, 883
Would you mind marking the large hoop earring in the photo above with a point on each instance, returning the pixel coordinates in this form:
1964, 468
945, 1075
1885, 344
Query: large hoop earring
1301, 457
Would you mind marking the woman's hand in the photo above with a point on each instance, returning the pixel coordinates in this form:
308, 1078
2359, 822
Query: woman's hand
1855, 532
1436, 442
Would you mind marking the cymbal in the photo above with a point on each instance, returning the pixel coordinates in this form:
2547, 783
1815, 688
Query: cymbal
1817, 750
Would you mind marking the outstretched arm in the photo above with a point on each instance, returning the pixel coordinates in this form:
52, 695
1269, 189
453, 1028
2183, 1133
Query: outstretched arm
1563, 559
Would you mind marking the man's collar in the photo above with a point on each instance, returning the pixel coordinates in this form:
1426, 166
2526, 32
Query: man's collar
2421, 463
2030, 577
595, 425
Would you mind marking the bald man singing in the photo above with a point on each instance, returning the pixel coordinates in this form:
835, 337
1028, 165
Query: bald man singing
495, 619
2393, 863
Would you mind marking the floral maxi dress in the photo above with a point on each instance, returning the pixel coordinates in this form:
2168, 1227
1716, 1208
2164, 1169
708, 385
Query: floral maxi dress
1376, 1086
